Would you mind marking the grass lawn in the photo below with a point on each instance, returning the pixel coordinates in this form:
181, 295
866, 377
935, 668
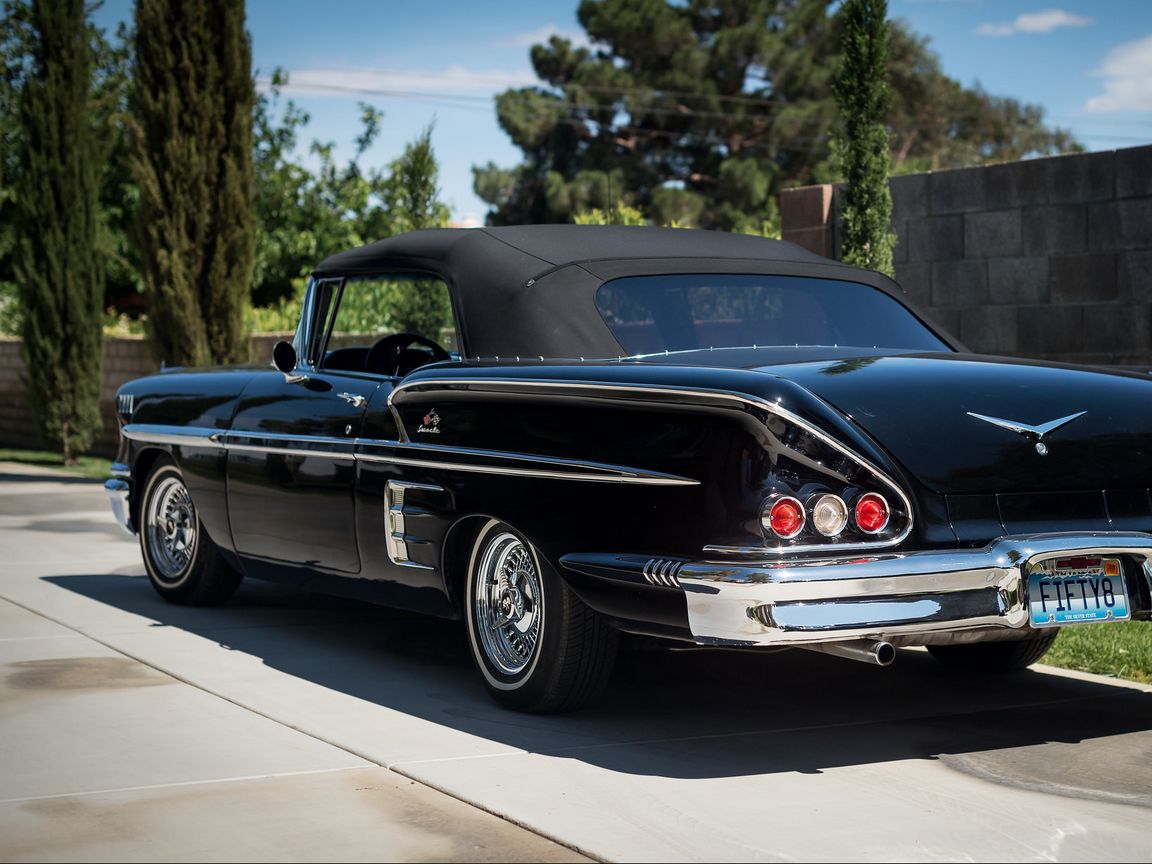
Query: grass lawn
1123, 650
88, 466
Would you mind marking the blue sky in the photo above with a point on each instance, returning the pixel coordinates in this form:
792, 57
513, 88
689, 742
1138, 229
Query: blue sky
1089, 64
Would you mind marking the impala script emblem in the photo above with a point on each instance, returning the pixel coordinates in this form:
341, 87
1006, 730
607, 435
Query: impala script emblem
1032, 433
431, 423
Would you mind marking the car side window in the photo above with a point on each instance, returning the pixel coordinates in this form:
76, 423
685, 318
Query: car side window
389, 324
325, 298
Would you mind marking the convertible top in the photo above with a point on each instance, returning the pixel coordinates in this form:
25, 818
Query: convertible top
530, 290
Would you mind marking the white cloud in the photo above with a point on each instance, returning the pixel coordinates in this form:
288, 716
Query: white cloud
454, 81
995, 30
1034, 22
1127, 71
1048, 20
541, 35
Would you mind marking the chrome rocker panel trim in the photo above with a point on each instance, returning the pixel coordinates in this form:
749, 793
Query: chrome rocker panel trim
772, 602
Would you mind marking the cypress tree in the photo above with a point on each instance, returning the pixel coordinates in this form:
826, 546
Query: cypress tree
191, 101
862, 93
59, 274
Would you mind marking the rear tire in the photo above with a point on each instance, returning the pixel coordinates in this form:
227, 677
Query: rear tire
539, 649
183, 564
991, 657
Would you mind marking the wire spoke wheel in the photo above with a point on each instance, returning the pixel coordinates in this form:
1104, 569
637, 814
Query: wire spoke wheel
170, 524
508, 604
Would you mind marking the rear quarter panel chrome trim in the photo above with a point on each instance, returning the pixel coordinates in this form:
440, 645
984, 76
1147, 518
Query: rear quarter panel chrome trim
731, 396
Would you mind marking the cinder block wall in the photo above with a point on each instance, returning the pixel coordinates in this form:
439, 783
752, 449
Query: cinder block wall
124, 359
1048, 258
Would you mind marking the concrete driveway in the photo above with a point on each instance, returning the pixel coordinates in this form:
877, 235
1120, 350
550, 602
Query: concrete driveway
292, 726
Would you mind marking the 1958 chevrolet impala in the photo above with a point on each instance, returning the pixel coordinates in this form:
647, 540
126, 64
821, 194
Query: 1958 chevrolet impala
705, 437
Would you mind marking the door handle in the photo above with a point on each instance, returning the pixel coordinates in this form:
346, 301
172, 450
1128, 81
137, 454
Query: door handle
354, 399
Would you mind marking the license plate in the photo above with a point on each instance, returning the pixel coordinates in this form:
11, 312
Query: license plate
1077, 590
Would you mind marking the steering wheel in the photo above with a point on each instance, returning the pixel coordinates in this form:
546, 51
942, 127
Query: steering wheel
386, 356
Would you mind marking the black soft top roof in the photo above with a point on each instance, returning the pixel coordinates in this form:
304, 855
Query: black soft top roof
530, 290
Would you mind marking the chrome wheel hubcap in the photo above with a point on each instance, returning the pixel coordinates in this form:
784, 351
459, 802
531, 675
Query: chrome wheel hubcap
170, 524
508, 604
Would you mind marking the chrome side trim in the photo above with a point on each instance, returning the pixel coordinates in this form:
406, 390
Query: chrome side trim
245, 442
180, 436
292, 451
773, 602
727, 395
662, 571
623, 475
120, 471
395, 538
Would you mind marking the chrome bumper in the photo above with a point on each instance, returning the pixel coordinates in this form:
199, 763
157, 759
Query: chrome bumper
765, 602
118, 491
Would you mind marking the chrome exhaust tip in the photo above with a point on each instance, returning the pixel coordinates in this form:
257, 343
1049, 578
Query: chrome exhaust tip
873, 651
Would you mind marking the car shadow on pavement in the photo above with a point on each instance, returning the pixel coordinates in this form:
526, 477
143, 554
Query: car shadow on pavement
695, 713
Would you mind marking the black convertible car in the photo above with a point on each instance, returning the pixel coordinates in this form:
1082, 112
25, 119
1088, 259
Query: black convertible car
705, 437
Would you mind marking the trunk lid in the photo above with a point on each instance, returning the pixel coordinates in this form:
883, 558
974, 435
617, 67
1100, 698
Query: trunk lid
917, 407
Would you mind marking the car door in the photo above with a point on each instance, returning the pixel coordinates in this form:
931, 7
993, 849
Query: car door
291, 460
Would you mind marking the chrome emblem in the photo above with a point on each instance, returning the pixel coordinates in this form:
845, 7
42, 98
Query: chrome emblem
1032, 433
431, 423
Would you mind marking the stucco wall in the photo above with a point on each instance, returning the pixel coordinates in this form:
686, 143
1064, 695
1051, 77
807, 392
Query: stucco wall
124, 359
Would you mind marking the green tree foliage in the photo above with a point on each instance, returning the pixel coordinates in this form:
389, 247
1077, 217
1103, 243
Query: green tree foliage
57, 266
861, 89
699, 112
192, 99
420, 306
619, 214
117, 188
304, 216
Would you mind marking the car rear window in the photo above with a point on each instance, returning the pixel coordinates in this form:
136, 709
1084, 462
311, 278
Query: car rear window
651, 314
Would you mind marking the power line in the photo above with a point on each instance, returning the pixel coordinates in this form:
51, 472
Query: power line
482, 104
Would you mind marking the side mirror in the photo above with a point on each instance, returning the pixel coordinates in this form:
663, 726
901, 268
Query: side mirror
284, 359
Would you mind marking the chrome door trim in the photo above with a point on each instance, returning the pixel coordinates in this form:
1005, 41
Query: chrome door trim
181, 436
729, 395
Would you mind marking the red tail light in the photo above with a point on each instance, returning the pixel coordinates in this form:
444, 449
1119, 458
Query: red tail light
871, 513
785, 518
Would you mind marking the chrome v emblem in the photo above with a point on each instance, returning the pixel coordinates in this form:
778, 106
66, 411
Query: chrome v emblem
1032, 433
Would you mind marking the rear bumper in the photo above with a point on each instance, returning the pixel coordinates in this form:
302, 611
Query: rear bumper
910, 595
780, 602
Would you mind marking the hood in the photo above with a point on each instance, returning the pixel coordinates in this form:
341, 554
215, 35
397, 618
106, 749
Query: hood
919, 409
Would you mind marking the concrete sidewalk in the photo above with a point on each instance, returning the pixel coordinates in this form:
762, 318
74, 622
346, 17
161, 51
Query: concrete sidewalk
287, 725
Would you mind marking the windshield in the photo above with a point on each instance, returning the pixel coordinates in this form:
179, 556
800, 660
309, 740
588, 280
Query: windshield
651, 314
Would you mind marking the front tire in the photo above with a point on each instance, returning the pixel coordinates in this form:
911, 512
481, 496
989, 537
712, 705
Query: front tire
539, 649
183, 564
992, 657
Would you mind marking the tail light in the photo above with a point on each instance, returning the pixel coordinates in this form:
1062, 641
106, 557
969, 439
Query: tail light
829, 514
871, 513
784, 517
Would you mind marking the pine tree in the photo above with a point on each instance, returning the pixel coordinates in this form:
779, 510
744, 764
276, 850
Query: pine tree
862, 93
192, 102
59, 273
